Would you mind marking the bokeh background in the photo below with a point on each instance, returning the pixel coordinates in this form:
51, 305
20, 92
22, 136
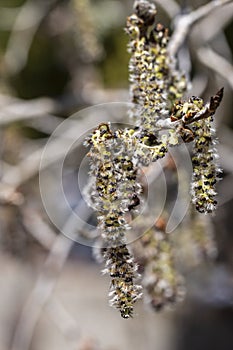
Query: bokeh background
58, 57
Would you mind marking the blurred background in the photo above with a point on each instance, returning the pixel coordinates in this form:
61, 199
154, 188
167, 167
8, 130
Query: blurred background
58, 57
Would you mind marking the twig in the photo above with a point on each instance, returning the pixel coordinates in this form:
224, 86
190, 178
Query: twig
217, 63
10, 195
64, 321
48, 126
19, 43
58, 147
45, 283
17, 110
38, 228
207, 29
185, 23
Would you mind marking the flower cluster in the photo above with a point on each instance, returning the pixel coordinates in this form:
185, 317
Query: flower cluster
115, 192
122, 269
205, 168
162, 283
195, 240
162, 120
155, 83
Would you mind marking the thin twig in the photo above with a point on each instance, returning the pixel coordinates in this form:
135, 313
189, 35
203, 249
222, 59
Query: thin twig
19, 110
38, 228
57, 148
217, 63
46, 282
19, 43
207, 29
185, 22
64, 321
14, 109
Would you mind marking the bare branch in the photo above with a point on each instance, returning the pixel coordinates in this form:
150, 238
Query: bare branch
19, 43
217, 63
29, 167
14, 109
207, 29
186, 22
64, 321
45, 283
38, 228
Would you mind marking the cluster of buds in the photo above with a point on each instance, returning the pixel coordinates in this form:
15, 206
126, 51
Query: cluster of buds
162, 120
162, 283
205, 169
115, 191
145, 146
155, 83
205, 166
122, 269
195, 240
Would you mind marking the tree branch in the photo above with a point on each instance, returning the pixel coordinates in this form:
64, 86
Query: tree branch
187, 21
46, 282
217, 63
